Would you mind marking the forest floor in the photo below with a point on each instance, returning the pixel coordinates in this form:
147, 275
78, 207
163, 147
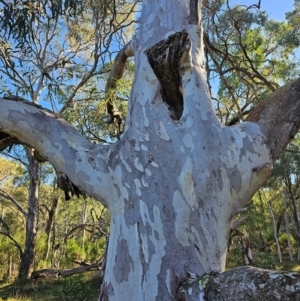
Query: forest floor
293, 266
84, 287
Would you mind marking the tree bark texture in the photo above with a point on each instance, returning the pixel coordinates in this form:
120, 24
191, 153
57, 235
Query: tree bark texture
177, 179
252, 284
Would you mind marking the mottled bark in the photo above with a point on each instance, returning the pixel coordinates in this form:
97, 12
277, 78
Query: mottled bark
27, 258
252, 284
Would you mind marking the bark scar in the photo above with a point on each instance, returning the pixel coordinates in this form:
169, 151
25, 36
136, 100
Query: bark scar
165, 60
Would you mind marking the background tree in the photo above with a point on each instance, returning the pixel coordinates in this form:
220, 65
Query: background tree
58, 60
65, 243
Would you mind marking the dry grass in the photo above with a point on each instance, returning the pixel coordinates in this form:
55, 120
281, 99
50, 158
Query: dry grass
77, 288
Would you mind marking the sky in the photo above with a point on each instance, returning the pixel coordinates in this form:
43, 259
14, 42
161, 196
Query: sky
276, 9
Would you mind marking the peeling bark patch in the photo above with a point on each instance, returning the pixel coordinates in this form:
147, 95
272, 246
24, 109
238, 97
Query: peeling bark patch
106, 291
91, 160
194, 12
182, 221
148, 172
117, 189
138, 185
128, 168
235, 178
122, 270
188, 141
164, 58
147, 248
161, 131
218, 176
138, 165
187, 183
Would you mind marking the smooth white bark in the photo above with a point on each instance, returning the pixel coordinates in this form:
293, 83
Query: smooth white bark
85, 163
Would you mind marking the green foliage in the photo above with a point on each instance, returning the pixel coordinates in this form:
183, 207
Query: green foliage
235, 257
18, 17
94, 249
74, 251
250, 55
73, 288
283, 240
90, 107
72, 245
265, 260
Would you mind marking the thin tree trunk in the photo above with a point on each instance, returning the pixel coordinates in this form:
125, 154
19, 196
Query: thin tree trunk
27, 258
49, 226
84, 209
9, 274
288, 184
287, 229
275, 234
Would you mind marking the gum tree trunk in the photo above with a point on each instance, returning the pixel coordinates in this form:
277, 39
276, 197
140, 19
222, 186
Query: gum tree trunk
177, 179
184, 176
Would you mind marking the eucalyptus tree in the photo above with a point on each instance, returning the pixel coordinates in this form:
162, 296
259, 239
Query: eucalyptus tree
47, 52
251, 55
177, 179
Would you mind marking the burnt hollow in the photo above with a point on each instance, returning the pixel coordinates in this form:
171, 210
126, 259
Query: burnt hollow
164, 58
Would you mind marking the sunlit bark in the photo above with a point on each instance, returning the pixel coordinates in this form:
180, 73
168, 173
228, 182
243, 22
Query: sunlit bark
177, 179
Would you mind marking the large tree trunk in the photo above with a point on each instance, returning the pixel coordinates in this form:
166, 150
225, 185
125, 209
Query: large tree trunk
184, 176
27, 258
177, 179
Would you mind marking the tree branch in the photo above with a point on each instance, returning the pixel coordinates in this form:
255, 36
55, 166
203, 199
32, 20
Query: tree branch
279, 117
11, 199
116, 73
65, 148
7, 234
53, 273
